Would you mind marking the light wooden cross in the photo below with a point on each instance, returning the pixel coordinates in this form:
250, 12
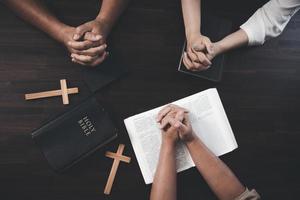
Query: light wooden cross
117, 158
64, 92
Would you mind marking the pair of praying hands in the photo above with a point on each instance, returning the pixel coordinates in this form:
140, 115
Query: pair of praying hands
175, 125
86, 43
199, 52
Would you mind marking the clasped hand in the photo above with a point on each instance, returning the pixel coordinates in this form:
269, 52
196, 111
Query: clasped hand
86, 43
175, 125
199, 52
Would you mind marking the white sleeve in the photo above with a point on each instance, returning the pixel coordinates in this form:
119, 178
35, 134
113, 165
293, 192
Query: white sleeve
269, 20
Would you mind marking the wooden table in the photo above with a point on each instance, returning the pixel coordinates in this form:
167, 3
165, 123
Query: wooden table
260, 91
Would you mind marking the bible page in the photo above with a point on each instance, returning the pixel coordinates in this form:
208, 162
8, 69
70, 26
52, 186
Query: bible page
208, 120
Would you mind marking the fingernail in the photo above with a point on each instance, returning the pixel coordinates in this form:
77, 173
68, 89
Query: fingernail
72, 55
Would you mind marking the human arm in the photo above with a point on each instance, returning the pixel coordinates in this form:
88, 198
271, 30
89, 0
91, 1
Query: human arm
34, 12
192, 59
164, 183
100, 26
216, 173
270, 20
191, 10
219, 177
267, 22
109, 13
231, 41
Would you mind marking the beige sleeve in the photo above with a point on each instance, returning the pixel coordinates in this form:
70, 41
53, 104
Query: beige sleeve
248, 195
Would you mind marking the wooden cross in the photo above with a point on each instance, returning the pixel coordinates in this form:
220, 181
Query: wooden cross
64, 91
117, 158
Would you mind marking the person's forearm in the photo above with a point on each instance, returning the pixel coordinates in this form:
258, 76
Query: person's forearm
191, 10
232, 41
164, 183
34, 12
110, 12
219, 177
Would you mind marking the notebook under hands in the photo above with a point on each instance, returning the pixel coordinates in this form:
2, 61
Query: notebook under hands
108, 71
215, 28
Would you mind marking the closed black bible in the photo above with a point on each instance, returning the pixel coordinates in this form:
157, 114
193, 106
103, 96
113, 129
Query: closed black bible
75, 134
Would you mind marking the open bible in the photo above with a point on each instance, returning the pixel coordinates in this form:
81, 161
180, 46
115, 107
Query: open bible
209, 122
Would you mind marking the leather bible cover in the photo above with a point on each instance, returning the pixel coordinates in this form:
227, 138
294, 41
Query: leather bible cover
75, 134
215, 28
100, 76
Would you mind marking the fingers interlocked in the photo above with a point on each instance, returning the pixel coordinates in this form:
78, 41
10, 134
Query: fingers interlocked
196, 57
171, 115
88, 46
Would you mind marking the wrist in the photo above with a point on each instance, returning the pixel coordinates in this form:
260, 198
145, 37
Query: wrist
191, 35
104, 24
62, 35
190, 138
169, 142
219, 47
168, 146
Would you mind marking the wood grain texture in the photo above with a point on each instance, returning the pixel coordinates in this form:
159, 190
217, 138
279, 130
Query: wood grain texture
52, 93
118, 157
64, 91
259, 91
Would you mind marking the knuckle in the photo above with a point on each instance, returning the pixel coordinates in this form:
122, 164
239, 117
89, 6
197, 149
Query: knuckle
79, 29
75, 56
88, 34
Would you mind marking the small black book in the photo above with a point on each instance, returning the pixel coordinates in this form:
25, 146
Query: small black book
75, 134
108, 71
215, 28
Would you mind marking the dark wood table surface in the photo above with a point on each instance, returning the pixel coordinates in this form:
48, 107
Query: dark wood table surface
260, 91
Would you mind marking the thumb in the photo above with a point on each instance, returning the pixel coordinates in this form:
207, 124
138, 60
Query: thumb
181, 129
80, 31
179, 115
180, 126
198, 47
210, 56
208, 46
